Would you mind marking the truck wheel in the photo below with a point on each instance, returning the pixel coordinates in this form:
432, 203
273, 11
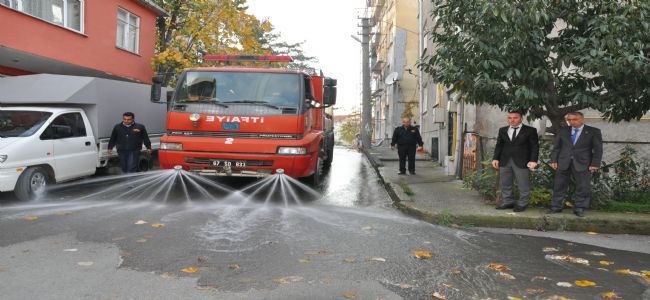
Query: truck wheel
315, 180
330, 158
31, 183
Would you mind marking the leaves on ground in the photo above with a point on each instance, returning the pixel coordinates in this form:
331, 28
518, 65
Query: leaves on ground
233, 266
288, 279
534, 291
514, 298
499, 267
317, 252
31, 218
595, 253
610, 295
350, 294
585, 283
623, 271
119, 238
85, 263
507, 276
141, 241
375, 258
190, 270
206, 287
367, 228
439, 296
592, 233
405, 286
454, 271
539, 278
63, 213
71, 250
350, 260
564, 284
167, 275
157, 225
422, 254
304, 261
606, 262
567, 258
140, 222
550, 249
557, 297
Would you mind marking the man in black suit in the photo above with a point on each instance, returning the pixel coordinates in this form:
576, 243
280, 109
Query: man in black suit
516, 152
406, 137
578, 151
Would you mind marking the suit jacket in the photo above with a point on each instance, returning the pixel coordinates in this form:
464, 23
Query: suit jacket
588, 150
523, 149
406, 136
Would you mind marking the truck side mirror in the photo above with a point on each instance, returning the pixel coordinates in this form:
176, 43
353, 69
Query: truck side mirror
156, 88
170, 94
329, 92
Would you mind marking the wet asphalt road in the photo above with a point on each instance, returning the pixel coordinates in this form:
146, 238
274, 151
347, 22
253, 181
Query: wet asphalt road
82, 242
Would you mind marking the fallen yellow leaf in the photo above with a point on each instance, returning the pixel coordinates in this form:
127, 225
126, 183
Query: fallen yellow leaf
610, 295
454, 271
405, 286
31, 218
376, 258
141, 241
505, 275
514, 298
350, 295
585, 283
190, 270
140, 222
288, 279
304, 261
550, 249
595, 253
64, 213
350, 259
556, 297
157, 225
534, 291
498, 267
623, 271
233, 266
606, 263
421, 254
540, 278
438, 296
592, 233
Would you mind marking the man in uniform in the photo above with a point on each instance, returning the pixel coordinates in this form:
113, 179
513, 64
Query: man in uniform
407, 138
128, 137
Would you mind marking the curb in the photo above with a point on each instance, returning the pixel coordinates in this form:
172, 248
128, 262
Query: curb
542, 223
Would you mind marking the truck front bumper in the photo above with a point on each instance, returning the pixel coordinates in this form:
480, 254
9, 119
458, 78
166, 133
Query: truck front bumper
257, 165
8, 178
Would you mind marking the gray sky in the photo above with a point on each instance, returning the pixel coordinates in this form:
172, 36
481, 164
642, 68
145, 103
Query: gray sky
326, 27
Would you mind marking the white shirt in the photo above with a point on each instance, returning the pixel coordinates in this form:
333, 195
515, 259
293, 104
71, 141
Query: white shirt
511, 129
579, 131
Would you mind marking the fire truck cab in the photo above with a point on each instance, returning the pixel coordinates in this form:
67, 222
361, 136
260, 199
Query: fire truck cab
248, 121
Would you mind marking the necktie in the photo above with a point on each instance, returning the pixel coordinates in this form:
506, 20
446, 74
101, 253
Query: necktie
574, 136
514, 133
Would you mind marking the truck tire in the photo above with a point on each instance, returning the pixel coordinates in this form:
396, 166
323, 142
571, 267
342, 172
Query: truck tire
31, 183
316, 179
330, 157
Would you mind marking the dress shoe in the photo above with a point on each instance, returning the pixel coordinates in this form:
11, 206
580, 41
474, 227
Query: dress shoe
412, 173
519, 208
401, 173
579, 213
554, 211
505, 206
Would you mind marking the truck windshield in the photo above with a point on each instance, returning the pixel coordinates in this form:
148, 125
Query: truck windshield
228, 89
21, 123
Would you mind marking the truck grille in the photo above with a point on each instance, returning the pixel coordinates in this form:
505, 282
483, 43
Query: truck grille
279, 136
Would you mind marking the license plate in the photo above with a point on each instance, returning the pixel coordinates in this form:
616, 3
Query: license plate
230, 126
229, 163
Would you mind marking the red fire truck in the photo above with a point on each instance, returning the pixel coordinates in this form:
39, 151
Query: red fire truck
248, 121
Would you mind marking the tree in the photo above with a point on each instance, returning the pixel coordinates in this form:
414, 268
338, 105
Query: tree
271, 41
545, 57
197, 27
349, 128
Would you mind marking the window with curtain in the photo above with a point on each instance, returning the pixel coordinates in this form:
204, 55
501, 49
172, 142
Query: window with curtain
66, 13
128, 30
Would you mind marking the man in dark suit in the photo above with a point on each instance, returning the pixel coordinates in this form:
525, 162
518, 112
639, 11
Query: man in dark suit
578, 151
406, 137
516, 152
128, 137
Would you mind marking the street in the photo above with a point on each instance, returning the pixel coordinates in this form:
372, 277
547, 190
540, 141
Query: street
133, 238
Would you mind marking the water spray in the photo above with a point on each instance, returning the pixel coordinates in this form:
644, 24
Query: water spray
279, 171
178, 168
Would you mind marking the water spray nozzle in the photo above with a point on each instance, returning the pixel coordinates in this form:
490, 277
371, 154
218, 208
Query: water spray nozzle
279, 171
178, 167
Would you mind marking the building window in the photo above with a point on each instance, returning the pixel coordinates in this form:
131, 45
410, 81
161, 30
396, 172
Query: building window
66, 13
128, 30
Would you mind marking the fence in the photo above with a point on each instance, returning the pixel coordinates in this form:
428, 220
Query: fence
477, 148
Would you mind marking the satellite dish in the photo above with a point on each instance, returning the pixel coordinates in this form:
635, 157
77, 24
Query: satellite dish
391, 78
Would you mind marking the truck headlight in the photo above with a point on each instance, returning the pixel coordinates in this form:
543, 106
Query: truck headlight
171, 146
3, 158
292, 150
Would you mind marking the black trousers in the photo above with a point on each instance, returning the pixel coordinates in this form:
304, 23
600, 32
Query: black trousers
129, 160
404, 152
583, 188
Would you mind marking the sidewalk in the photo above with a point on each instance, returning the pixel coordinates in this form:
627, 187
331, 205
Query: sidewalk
436, 197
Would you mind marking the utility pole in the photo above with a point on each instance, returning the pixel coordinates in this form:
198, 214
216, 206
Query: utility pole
366, 127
